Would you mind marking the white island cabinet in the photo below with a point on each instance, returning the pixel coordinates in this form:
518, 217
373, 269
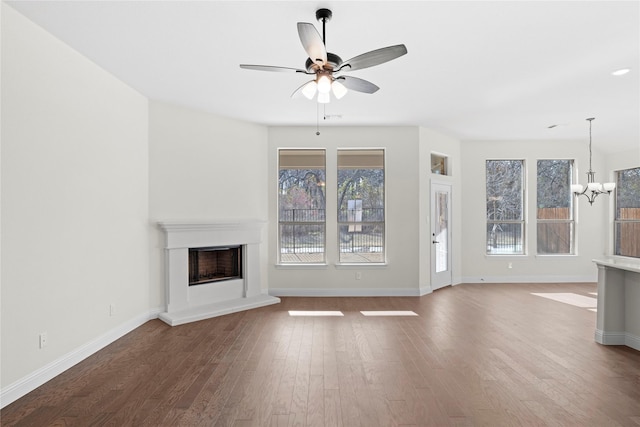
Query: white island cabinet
618, 318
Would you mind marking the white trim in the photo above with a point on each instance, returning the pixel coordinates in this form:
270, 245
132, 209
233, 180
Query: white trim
632, 341
425, 290
617, 338
25, 385
301, 266
345, 292
360, 265
215, 309
529, 279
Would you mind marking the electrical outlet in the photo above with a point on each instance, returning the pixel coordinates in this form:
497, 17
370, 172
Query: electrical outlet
43, 339
112, 309
510, 265
358, 275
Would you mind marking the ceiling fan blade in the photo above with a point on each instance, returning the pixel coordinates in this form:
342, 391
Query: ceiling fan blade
375, 57
271, 68
312, 43
359, 85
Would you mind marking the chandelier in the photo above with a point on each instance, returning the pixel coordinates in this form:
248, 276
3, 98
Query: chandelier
593, 189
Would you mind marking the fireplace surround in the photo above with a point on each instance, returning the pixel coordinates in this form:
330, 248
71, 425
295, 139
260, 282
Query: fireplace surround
185, 303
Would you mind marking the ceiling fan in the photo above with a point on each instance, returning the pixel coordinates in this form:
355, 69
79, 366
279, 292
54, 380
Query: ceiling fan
327, 67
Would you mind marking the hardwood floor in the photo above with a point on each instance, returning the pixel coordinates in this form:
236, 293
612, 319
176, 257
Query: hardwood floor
476, 355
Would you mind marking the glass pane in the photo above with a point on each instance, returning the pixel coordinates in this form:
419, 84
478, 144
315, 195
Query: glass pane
361, 205
628, 194
554, 188
442, 231
438, 164
505, 190
555, 238
628, 239
301, 205
627, 226
504, 238
361, 243
301, 243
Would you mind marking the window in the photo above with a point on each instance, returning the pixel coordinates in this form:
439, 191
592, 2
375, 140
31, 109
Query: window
505, 207
627, 213
439, 164
361, 218
555, 207
301, 206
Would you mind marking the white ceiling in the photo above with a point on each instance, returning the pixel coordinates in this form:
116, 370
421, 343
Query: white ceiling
474, 70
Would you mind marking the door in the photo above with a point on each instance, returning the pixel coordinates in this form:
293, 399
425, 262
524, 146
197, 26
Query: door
441, 273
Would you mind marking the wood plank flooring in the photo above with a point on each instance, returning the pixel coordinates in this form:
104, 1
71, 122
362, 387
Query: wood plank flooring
476, 355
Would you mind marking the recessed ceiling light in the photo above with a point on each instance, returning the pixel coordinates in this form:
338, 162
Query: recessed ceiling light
621, 72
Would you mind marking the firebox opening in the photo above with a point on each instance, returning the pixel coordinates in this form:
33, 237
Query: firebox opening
214, 264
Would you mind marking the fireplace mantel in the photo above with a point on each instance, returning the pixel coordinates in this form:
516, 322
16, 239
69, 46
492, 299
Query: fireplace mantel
191, 303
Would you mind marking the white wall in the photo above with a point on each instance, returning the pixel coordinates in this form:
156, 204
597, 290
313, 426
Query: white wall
202, 167
591, 220
74, 200
400, 275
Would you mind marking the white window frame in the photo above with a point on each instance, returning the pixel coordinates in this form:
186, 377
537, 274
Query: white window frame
572, 212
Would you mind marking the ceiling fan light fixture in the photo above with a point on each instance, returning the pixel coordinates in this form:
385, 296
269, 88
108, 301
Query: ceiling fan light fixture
323, 98
309, 90
324, 83
339, 90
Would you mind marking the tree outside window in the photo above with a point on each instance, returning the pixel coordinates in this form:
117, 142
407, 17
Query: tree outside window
627, 213
301, 206
361, 216
555, 228
505, 207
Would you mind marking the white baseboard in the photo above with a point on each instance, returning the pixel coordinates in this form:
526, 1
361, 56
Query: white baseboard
617, 338
529, 279
425, 290
342, 292
632, 341
208, 311
14, 391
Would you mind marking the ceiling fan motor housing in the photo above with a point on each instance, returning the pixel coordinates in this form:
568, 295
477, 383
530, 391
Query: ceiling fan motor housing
333, 62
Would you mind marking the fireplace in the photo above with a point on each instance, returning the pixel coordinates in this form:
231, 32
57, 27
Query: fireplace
212, 269
214, 264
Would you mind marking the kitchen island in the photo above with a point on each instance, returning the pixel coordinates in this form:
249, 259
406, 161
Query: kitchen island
618, 317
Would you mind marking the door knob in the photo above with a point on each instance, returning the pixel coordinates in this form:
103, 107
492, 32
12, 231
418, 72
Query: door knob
434, 241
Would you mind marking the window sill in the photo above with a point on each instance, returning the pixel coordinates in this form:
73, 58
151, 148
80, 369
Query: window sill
556, 255
301, 266
356, 266
503, 256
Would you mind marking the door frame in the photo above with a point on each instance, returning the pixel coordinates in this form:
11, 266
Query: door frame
445, 278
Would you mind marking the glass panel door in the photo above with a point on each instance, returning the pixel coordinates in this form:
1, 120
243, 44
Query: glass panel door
441, 272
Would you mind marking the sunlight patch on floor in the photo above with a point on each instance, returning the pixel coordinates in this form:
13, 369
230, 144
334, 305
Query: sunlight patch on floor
314, 313
389, 313
569, 298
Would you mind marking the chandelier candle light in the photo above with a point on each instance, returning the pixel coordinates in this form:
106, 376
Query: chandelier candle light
595, 188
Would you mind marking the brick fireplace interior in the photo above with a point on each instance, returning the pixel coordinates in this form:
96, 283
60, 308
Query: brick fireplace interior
214, 264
